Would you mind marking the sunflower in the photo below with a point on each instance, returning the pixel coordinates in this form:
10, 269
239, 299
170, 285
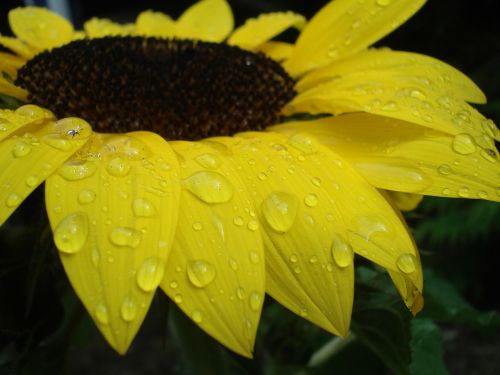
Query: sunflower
167, 164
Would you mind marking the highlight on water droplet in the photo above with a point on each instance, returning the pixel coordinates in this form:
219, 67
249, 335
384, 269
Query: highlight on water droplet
255, 301
118, 167
13, 200
304, 142
141, 207
197, 316
342, 252
71, 233
311, 200
125, 236
200, 273
128, 309
74, 170
209, 186
463, 144
150, 274
86, 196
101, 313
406, 263
32, 181
280, 210
55, 141
209, 161
20, 149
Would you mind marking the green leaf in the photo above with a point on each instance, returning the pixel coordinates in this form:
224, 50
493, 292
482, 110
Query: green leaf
426, 348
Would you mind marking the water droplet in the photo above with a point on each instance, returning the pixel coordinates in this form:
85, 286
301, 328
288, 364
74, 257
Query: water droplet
118, 167
55, 141
253, 225
197, 226
383, 3
313, 259
125, 236
406, 263
197, 316
240, 293
141, 207
32, 181
389, 107
368, 226
13, 200
262, 176
21, 149
150, 274
463, 192
463, 144
128, 310
71, 233
255, 301
233, 264
304, 142
200, 273
341, 251
95, 256
254, 257
316, 181
210, 187
444, 169
238, 221
311, 200
279, 210
86, 196
77, 170
417, 94
174, 284
101, 313
209, 161
178, 298
34, 112
482, 195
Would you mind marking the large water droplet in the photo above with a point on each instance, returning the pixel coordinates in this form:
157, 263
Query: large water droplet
279, 210
71, 233
200, 273
142, 207
21, 149
125, 236
73, 128
77, 170
150, 274
101, 313
209, 186
255, 301
55, 141
406, 263
118, 167
128, 310
86, 196
463, 144
341, 251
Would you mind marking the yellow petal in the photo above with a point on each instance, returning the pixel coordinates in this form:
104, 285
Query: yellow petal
257, 31
101, 27
216, 270
395, 94
397, 155
277, 51
8, 88
208, 20
10, 63
309, 259
29, 114
344, 27
17, 46
32, 154
150, 23
404, 201
113, 208
406, 67
40, 28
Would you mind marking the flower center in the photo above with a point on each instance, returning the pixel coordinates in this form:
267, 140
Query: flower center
180, 89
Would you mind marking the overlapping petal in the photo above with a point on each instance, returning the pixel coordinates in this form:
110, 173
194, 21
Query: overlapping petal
401, 156
216, 270
113, 209
344, 27
101, 27
155, 24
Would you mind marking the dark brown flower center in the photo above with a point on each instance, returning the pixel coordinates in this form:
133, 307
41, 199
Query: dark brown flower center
181, 89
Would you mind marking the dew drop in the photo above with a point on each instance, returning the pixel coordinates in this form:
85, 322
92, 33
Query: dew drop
178, 298
77, 170
125, 236
55, 141
174, 284
118, 167
240, 293
197, 226
238, 221
71, 233
383, 3
341, 251
463, 192
233, 264
101, 313
313, 259
444, 169
311, 200
32, 181
34, 112
463, 144
197, 316
86, 196
304, 142
21, 149
294, 258
128, 309
209, 161
141, 207
280, 210
13, 200
253, 225
255, 301
150, 274
406, 263
482, 195
209, 186
200, 273
316, 181
254, 257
